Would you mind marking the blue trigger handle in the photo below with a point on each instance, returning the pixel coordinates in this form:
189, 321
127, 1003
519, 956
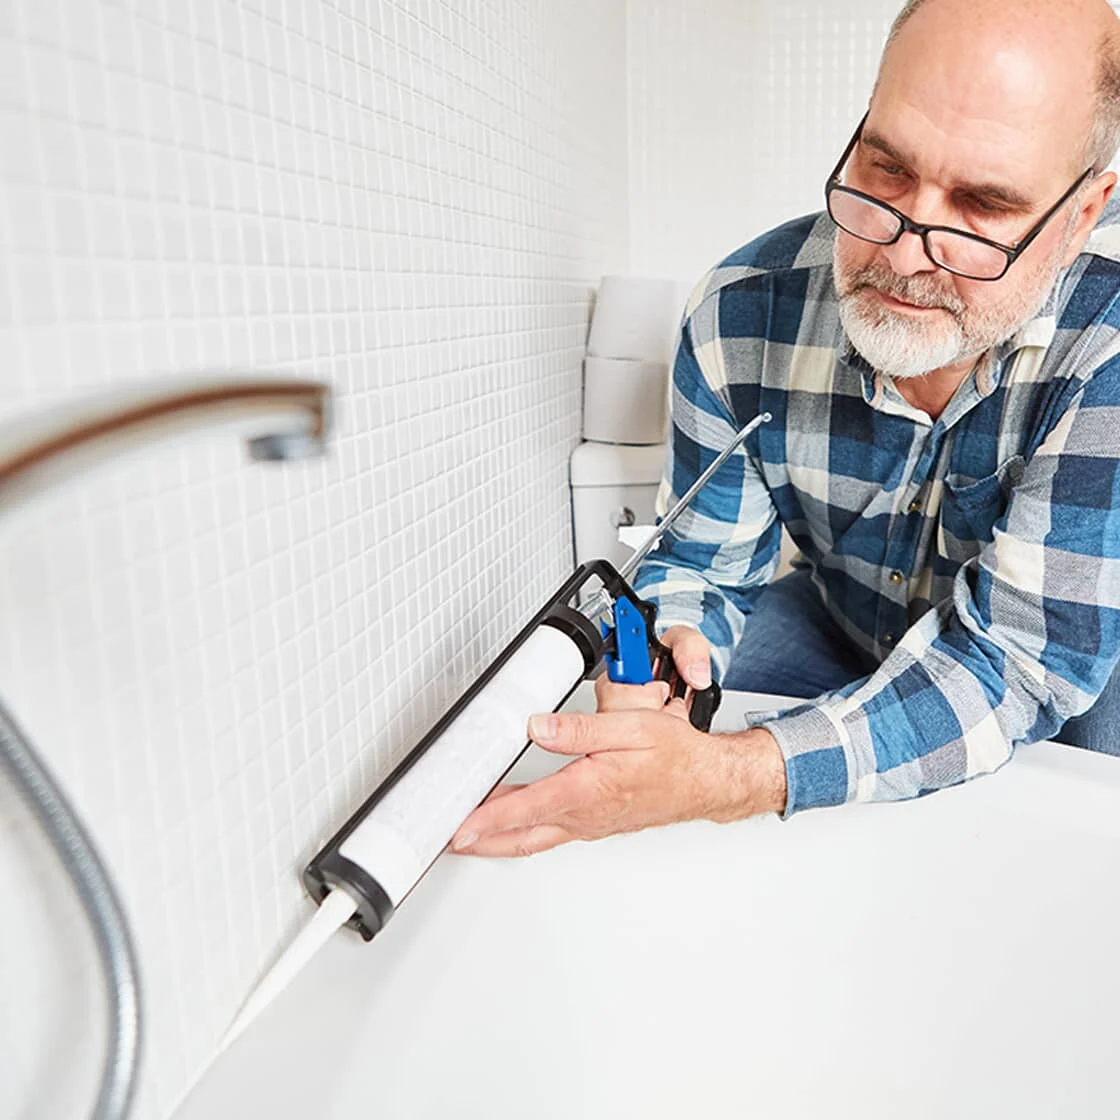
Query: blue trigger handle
629, 657
631, 663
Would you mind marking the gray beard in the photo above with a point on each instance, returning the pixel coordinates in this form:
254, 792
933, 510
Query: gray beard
896, 345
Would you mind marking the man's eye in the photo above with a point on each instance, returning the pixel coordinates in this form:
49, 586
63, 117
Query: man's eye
891, 169
988, 209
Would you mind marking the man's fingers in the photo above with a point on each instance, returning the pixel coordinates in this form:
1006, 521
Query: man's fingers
678, 707
613, 697
576, 733
518, 842
691, 654
504, 790
539, 802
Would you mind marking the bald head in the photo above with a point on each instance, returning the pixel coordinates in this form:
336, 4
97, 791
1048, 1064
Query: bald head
985, 120
1055, 63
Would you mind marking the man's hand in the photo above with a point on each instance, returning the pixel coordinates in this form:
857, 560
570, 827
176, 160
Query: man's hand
692, 657
640, 768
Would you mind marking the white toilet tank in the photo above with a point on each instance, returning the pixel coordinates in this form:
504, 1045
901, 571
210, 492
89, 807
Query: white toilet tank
612, 485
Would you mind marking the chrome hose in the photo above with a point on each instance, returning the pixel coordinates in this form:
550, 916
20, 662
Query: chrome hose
99, 899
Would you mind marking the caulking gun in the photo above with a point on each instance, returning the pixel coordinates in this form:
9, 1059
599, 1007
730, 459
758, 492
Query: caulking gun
367, 869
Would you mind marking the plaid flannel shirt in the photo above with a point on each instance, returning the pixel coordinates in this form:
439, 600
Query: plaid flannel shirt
976, 558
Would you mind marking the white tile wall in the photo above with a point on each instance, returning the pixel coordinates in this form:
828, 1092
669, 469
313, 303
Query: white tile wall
738, 111
410, 199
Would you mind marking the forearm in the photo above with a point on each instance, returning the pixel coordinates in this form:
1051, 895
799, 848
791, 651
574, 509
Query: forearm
747, 776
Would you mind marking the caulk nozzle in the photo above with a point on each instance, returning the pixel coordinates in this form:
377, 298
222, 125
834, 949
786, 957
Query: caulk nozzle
333, 913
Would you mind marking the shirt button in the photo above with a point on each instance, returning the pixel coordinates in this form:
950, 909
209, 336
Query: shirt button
888, 639
896, 578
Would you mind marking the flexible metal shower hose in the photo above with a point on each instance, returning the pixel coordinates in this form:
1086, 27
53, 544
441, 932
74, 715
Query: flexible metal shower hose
106, 918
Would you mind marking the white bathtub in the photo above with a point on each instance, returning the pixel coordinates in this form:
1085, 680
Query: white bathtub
951, 957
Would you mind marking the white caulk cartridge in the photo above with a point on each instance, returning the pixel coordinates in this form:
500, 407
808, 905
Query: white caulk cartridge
383, 850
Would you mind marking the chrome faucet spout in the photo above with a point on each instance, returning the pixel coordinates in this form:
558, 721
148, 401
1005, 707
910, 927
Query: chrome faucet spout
281, 418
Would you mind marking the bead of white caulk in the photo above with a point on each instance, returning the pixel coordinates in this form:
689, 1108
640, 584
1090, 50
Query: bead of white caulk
332, 914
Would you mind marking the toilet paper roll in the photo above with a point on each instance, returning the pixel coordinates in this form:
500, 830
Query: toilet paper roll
637, 317
624, 401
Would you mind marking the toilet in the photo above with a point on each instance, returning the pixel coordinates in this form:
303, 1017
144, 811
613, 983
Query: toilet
616, 472
612, 485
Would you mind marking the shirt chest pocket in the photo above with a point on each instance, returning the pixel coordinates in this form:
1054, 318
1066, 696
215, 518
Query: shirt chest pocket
970, 507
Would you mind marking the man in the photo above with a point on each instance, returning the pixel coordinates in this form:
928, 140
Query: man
941, 356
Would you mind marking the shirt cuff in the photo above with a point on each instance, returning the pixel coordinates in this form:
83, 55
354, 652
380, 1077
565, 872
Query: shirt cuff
816, 763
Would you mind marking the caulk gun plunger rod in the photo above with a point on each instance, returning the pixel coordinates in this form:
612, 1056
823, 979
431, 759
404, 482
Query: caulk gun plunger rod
601, 602
631, 565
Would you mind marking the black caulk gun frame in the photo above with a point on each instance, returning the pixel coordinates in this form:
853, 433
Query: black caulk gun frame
330, 869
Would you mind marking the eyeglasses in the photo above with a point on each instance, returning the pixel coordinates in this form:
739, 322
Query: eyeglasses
956, 251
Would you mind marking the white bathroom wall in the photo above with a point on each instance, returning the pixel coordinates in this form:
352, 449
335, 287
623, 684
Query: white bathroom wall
738, 111
409, 199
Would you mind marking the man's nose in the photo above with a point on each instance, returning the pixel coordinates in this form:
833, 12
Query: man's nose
908, 256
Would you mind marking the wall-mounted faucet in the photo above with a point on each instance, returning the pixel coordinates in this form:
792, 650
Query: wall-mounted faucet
282, 419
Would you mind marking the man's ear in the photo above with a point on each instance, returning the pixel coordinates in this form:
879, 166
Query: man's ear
1091, 206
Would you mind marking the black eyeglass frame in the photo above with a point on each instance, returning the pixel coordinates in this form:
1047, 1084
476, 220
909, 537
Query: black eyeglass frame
907, 225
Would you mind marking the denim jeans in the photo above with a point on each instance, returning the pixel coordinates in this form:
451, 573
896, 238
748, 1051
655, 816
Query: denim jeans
792, 647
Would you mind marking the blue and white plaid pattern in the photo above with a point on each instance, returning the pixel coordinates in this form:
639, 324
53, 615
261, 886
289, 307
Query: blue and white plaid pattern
977, 559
